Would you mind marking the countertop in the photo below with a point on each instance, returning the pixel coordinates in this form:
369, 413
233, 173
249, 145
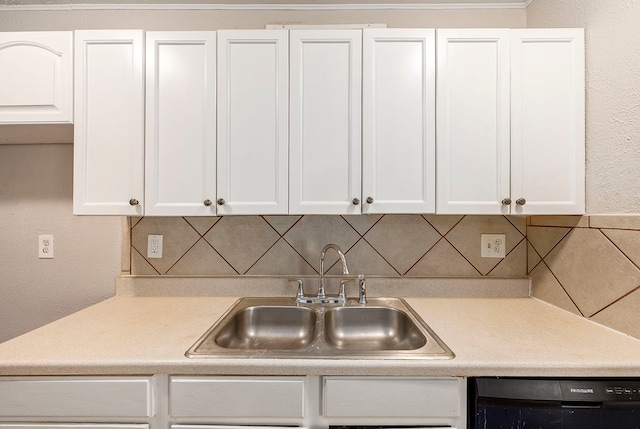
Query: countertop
492, 336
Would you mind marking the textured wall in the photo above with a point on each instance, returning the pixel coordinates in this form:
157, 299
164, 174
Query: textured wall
613, 95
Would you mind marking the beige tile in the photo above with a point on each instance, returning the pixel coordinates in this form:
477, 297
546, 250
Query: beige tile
622, 315
627, 241
402, 239
201, 259
363, 259
443, 260
362, 223
619, 222
281, 223
241, 240
125, 248
140, 266
592, 270
567, 221
442, 223
533, 259
514, 264
309, 236
547, 288
519, 222
178, 237
281, 259
465, 237
202, 224
134, 220
543, 239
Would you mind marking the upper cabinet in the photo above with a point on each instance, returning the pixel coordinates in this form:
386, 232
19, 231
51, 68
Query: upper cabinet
37, 77
325, 127
398, 102
253, 120
180, 148
109, 123
510, 127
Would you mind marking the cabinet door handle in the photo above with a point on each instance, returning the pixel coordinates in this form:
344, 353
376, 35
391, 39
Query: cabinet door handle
221, 201
355, 201
369, 200
133, 202
521, 201
506, 201
207, 202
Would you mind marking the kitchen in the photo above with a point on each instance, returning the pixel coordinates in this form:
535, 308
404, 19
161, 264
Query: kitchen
95, 250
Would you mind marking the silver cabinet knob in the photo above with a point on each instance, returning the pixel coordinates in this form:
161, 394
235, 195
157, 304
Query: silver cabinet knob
207, 202
521, 201
369, 200
355, 201
506, 201
221, 201
133, 202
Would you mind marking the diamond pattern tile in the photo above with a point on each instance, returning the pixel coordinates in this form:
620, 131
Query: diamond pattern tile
442, 223
583, 263
443, 260
312, 233
280, 259
202, 259
622, 315
402, 239
362, 223
282, 223
627, 241
178, 237
363, 259
543, 239
202, 224
465, 237
242, 240
140, 266
514, 264
533, 259
547, 288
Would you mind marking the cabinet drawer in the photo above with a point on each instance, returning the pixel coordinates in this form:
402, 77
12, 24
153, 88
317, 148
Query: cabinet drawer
391, 397
75, 397
237, 397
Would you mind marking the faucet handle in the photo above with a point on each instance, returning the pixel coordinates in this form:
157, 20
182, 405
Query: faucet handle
343, 282
300, 292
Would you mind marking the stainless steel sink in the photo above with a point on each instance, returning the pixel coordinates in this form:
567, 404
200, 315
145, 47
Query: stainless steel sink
384, 328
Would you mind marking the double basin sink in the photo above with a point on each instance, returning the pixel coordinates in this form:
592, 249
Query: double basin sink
384, 328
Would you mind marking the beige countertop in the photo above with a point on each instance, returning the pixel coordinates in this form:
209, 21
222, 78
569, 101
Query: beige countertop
493, 336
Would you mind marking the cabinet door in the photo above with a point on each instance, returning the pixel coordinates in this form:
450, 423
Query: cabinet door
180, 124
325, 122
547, 121
36, 84
109, 123
473, 121
398, 159
253, 120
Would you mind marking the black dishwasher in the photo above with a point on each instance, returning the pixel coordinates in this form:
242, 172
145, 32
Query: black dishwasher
546, 403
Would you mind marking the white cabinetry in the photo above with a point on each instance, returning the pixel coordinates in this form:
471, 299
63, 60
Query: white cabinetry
76, 399
253, 120
510, 127
180, 124
398, 154
325, 128
37, 77
109, 122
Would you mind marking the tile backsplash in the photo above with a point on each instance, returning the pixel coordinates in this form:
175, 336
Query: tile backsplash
387, 245
589, 265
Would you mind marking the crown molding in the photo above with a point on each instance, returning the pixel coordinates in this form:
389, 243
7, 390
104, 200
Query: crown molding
265, 6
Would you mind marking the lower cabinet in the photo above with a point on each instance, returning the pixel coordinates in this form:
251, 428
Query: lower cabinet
231, 402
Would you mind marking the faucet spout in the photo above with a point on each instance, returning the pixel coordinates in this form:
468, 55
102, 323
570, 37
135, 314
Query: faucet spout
343, 260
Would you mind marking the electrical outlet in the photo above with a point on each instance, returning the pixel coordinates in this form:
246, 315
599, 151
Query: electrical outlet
492, 245
154, 246
45, 246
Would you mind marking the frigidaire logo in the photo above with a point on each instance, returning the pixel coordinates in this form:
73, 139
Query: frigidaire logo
575, 390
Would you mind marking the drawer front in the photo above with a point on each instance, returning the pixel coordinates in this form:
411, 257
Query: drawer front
237, 397
75, 397
391, 397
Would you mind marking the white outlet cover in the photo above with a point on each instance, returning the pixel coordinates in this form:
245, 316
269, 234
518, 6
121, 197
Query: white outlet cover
492, 245
154, 246
45, 246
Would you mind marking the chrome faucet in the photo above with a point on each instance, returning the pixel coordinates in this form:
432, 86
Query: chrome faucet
343, 260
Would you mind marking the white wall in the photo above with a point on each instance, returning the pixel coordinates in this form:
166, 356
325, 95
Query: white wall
36, 180
612, 29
